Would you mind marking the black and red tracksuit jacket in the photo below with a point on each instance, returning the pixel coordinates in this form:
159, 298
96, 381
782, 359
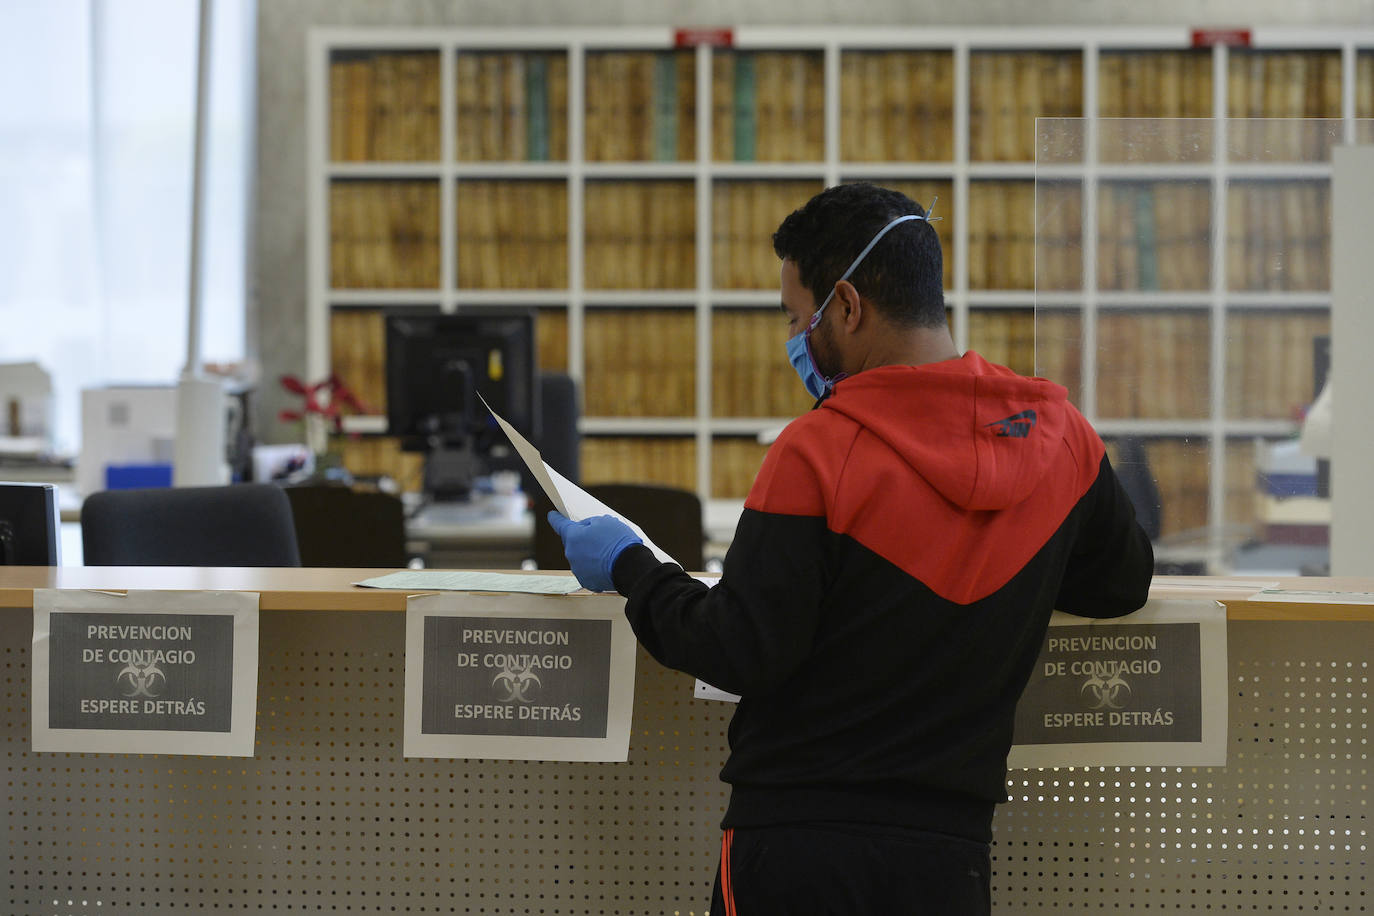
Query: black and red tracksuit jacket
887, 592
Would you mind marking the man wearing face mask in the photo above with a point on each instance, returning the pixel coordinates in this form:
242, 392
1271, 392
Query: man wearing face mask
889, 584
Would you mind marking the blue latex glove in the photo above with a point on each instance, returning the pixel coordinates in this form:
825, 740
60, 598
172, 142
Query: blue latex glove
592, 546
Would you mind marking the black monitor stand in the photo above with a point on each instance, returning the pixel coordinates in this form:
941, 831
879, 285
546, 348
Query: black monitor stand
8, 547
452, 460
451, 470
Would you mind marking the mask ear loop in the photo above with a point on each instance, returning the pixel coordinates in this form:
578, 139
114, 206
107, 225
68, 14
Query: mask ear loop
816, 317
827, 382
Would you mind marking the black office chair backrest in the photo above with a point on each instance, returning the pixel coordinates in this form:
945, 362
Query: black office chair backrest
240, 525
559, 442
669, 516
336, 526
548, 547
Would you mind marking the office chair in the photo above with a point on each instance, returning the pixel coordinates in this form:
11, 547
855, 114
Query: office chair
559, 442
338, 526
240, 525
556, 437
669, 516
560, 445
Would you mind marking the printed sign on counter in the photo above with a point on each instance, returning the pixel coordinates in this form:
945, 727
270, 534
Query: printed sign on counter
1148, 689
145, 672
518, 677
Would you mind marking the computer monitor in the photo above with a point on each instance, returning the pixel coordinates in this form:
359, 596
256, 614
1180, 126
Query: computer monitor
436, 364
28, 524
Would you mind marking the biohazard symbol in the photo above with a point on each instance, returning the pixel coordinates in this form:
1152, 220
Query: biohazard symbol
143, 680
1109, 692
516, 683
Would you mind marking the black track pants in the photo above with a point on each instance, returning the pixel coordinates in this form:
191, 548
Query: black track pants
850, 870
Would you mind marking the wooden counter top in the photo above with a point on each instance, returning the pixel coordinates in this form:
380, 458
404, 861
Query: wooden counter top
333, 589
281, 589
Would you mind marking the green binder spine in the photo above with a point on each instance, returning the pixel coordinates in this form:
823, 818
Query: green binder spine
537, 112
665, 112
745, 113
1145, 238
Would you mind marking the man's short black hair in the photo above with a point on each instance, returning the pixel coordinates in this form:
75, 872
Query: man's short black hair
904, 273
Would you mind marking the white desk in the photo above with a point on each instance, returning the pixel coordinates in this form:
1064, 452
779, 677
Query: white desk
26, 472
458, 535
467, 536
461, 536
719, 518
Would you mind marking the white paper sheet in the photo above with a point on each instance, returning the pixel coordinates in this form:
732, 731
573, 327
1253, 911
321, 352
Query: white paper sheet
1211, 584
530, 455
1312, 596
568, 498
183, 679
436, 580
464, 661
582, 504
1147, 676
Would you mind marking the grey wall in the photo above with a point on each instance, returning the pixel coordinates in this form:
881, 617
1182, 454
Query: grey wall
276, 319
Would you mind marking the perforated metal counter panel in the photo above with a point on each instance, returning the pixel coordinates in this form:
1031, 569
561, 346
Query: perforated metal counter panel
329, 818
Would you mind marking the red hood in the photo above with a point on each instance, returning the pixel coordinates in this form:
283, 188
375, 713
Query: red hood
922, 413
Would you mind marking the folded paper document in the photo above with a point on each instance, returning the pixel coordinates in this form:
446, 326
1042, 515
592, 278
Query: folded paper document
577, 504
568, 498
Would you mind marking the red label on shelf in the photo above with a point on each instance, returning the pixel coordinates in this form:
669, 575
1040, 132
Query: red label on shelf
716, 38
1232, 38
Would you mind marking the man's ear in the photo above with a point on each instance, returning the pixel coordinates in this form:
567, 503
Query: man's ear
849, 304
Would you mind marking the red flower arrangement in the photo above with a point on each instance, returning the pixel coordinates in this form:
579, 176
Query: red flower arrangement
324, 406
325, 398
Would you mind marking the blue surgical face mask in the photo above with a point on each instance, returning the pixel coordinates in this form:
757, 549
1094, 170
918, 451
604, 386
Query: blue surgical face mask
799, 355
799, 347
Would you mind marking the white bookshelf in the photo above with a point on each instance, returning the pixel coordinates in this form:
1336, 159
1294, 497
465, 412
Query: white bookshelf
1217, 301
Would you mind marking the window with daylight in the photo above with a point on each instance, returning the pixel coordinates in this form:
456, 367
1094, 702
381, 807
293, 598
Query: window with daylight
97, 109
